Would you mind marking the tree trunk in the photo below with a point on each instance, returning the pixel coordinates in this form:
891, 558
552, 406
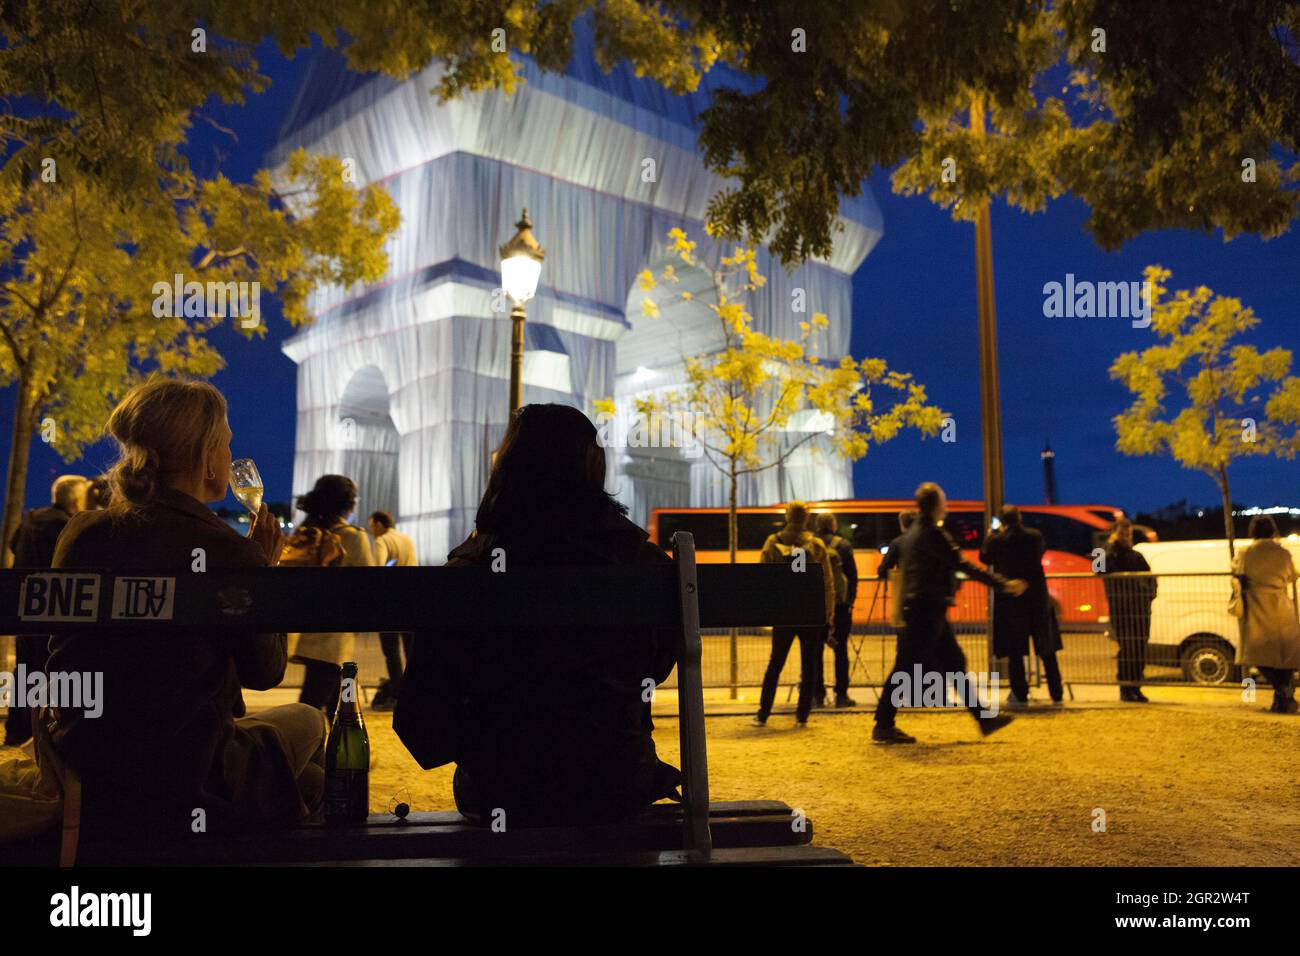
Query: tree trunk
731, 543
1228, 528
19, 454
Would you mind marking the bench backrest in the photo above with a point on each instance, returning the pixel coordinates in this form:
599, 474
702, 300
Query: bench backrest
681, 596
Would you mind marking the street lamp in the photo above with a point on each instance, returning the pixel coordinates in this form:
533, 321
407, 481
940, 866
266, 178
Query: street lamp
521, 267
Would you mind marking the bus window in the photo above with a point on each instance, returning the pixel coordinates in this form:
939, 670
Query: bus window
869, 531
710, 530
967, 528
753, 529
1061, 533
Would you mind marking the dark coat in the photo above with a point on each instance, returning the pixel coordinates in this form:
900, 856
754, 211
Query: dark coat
33, 546
167, 740
550, 726
848, 564
1129, 599
930, 562
1018, 553
33, 543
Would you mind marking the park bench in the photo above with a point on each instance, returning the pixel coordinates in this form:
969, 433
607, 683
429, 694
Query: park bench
679, 596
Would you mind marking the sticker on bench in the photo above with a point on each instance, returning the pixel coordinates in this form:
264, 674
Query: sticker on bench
59, 597
147, 599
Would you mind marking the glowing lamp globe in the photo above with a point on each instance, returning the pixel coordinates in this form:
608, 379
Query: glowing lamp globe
521, 262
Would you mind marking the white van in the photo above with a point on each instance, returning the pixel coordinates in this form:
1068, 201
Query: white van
1190, 624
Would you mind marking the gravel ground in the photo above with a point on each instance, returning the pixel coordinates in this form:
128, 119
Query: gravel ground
1180, 784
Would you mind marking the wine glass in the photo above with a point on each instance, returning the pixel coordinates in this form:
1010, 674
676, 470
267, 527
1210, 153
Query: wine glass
246, 483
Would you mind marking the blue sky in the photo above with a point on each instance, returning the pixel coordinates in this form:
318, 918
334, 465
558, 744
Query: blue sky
914, 305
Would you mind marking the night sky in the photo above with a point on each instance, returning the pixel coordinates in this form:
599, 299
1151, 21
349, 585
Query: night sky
914, 305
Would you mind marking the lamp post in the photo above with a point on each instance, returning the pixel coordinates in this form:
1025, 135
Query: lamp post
521, 266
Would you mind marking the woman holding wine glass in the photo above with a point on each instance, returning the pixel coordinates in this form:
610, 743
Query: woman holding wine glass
168, 741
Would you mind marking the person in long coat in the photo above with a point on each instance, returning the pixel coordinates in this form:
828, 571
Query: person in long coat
1270, 629
170, 737
1015, 551
550, 726
322, 655
1129, 600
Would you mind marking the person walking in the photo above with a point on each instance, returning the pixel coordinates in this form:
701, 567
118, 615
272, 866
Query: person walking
33, 546
392, 548
846, 592
1015, 551
793, 543
1270, 630
930, 562
1129, 600
326, 539
167, 738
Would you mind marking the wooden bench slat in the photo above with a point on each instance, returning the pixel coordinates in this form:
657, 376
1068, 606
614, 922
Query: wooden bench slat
721, 808
414, 599
736, 856
460, 840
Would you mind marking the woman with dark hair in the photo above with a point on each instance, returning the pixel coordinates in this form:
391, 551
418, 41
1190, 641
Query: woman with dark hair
1270, 629
326, 538
557, 730
166, 740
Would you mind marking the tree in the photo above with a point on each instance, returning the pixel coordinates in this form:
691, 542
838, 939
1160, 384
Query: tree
741, 401
87, 302
1182, 115
1201, 398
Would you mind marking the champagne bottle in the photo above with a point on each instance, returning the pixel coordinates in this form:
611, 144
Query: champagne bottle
347, 758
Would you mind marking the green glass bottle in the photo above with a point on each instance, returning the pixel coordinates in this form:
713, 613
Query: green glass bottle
347, 758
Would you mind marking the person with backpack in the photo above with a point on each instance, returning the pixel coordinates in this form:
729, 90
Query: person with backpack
325, 540
796, 546
845, 569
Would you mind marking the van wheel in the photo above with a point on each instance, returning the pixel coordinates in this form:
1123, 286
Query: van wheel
1208, 660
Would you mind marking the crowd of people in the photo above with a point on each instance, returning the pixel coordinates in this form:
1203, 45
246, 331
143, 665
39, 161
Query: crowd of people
577, 745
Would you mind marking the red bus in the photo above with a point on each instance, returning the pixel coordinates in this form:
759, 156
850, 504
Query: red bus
1071, 532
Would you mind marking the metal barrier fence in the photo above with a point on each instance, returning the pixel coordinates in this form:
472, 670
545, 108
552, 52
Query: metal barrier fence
1192, 637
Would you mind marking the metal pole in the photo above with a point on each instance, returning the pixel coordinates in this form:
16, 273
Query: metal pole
990, 405
517, 316
991, 421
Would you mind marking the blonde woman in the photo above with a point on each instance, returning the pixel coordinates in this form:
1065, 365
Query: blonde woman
167, 742
339, 544
1270, 630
